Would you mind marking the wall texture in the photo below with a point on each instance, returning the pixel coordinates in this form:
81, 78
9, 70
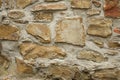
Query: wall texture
59, 39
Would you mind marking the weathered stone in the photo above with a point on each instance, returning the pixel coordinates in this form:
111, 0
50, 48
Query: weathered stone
70, 30
81, 3
4, 61
99, 27
23, 68
96, 3
105, 74
49, 6
91, 55
99, 42
20, 21
16, 14
9, 4
43, 16
117, 30
112, 8
40, 31
112, 52
0, 3
24, 3
114, 42
52, 0
9, 32
93, 12
31, 50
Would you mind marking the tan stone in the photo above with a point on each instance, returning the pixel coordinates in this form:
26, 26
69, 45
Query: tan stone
81, 3
9, 32
70, 30
24, 3
40, 31
99, 27
105, 74
43, 16
49, 6
91, 55
32, 50
93, 12
52, 0
23, 67
14, 14
0, 3
96, 3
99, 42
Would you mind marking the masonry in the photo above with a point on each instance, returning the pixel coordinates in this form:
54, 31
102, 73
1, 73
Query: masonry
59, 39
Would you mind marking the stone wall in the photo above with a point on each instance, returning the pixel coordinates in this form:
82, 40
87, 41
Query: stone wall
59, 40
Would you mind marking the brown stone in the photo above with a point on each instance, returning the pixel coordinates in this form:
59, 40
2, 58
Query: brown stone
0, 3
112, 8
99, 27
105, 74
9, 32
24, 3
14, 14
93, 12
96, 3
23, 67
52, 0
20, 21
43, 16
91, 55
49, 6
99, 42
40, 31
32, 50
70, 30
81, 3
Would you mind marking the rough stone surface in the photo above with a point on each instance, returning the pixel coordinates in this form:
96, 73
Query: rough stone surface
70, 30
0, 3
16, 14
93, 12
112, 8
49, 6
81, 3
23, 67
40, 31
91, 56
100, 27
52, 0
32, 50
43, 16
8, 32
24, 3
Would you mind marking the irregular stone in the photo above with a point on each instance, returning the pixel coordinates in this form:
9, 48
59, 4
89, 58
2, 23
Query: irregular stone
16, 14
96, 3
81, 3
105, 74
99, 43
52, 0
49, 6
93, 12
0, 3
117, 30
112, 52
91, 55
70, 30
114, 42
9, 4
20, 21
31, 50
112, 8
23, 68
43, 16
40, 31
8, 32
24, 3
99, 27
4, 61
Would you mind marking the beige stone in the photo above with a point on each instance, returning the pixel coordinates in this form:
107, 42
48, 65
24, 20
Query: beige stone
99, 27
16, 14
91, 55
106, 74
40, 31
8, 32
32, 50
24, 3
52, 0
49, 6
81, 3
43, 16
70, 30
93, 12
23, 68
0, 3
99, 42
